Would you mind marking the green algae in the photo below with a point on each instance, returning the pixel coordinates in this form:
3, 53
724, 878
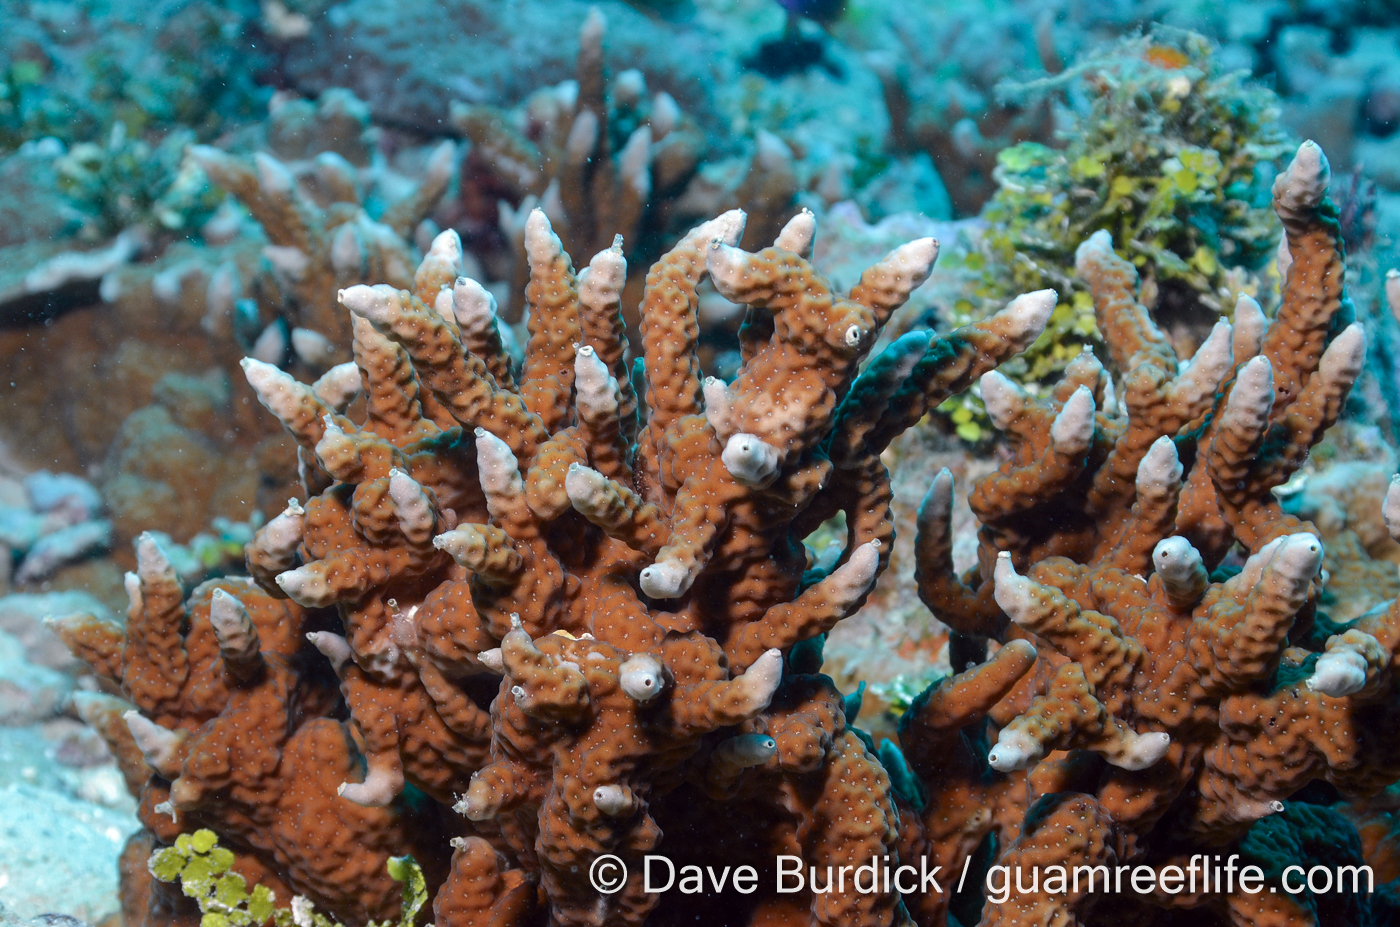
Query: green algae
1170, 155
203, 870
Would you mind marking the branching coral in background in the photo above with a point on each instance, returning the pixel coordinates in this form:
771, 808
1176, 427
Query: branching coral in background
315, 215
172, 329
964, 133
602, 159
941, 68
166, 416
594, 153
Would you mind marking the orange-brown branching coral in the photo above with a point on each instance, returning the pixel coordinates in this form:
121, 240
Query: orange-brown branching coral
621, 572
231, 710
559, 599
572, 617
1164, 679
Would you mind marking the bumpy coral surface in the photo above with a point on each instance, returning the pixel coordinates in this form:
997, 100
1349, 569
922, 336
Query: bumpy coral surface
560, 625
1165, 679
574, 622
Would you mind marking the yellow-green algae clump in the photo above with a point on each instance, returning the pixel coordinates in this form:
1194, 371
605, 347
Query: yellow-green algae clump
1173, 157
202, 869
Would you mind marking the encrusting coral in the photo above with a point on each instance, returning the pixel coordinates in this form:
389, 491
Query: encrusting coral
570, 602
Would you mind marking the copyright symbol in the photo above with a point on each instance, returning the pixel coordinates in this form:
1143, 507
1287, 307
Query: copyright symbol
608, 874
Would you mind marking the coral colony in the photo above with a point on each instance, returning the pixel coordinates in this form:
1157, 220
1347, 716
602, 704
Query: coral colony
550, 630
